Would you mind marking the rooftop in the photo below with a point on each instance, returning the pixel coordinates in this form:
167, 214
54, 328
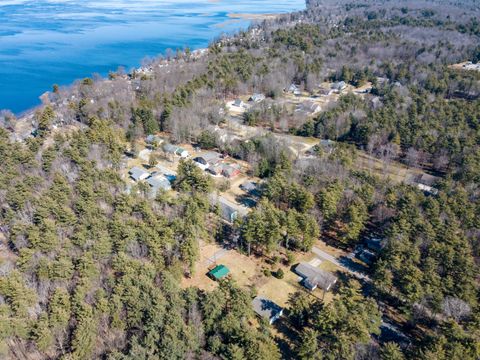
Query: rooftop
266, 308
219, 272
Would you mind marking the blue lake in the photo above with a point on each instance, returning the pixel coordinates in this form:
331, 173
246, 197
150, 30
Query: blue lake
46, 42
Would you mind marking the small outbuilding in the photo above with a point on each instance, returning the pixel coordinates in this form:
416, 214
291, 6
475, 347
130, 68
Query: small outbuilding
267, 309
218, 272
137, 174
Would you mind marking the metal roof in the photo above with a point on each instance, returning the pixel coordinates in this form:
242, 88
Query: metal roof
220, 271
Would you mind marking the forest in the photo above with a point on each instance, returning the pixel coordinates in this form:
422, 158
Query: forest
89, 270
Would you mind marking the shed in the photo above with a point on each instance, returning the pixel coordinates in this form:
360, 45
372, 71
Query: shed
267, 309
138, 174
314, 277
218, 272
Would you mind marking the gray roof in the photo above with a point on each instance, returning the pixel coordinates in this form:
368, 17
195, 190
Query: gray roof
257, 97
314, 276
211, 157
339, 85
169, 148
137, 173
266, 308
248, 186
228, 170
159, 182
229, 211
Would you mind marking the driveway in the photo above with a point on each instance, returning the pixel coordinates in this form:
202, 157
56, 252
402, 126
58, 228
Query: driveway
346, 264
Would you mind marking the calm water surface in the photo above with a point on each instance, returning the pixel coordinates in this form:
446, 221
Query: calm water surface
43, 42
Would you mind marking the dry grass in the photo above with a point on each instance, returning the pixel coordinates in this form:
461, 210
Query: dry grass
247, 271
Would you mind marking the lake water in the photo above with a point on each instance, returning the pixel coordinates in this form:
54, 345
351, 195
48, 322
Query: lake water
46, 42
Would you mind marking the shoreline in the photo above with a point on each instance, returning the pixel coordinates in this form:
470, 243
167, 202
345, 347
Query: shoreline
253, 16
232, 17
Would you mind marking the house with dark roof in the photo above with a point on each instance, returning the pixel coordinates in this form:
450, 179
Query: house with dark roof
313, 277
267, 309
137, 174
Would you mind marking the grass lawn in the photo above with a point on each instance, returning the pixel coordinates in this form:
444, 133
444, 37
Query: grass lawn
247, 271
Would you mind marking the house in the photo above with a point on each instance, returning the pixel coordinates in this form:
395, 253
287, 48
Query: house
375, 244
175, 150
266, 308
230, 171
424, 182
228, 211
427, 189
170, 175
313, 277
339, 86
366, 256
294, 89
309, 107
182, 153
256, 98
325, 91
170, 149
327, 145
215, 170
154, 140
138, 174
471, 66
209, 159
238, 103
218, 272
158, 181
249, 186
